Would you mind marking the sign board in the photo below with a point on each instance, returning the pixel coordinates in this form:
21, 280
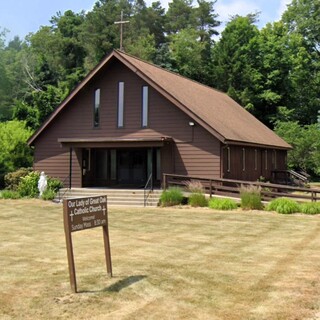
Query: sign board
85, 213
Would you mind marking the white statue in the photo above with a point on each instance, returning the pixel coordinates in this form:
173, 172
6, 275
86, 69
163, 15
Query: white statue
42, 183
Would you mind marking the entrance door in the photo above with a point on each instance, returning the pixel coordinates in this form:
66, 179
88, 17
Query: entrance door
132, 167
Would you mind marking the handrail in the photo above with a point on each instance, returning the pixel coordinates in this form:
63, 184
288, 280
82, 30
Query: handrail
145, 194
303, 179
232, 187
298, 176
66, 189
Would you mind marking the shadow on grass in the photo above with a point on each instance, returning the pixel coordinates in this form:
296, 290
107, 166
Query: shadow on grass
118, 286
124, 283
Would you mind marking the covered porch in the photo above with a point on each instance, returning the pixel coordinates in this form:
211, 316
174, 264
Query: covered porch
120, 163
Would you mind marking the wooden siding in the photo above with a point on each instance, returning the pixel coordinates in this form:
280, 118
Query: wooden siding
248, 163
194, 151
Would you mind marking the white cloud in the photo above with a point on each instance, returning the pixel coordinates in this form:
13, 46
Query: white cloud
235, 7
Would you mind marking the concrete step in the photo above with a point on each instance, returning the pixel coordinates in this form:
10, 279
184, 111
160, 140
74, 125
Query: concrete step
116, 197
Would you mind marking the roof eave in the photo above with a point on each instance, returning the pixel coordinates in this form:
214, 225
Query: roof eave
257, 145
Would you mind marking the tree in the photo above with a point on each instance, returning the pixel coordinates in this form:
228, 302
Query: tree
206, 20
235, 61
15, 153
305, 141
186, 53
100, 35
302, 16
180, 15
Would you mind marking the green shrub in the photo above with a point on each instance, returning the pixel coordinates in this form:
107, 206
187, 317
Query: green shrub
54, 184
310, 208
283, 205
171, 197
48, 194
13, 179
251, 198
222, 204
9, 194
28, 186
198, 200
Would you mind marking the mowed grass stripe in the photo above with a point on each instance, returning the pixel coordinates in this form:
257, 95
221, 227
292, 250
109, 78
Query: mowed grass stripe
176, 263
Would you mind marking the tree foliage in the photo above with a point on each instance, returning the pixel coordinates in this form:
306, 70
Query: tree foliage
14, 151
305, 141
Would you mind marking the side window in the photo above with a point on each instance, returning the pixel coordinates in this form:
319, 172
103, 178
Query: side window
120, 104
266, 160
243, 159
96, 110
255, 159
145, 106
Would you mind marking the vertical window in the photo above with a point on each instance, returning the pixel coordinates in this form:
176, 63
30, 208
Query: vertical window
275, 159
229, 159
243, 159
255, 159
145, 106
266, 159
96, 111
120, 104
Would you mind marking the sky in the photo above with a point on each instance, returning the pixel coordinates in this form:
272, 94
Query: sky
21, 17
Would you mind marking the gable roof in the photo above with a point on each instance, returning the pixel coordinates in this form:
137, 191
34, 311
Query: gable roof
212, 109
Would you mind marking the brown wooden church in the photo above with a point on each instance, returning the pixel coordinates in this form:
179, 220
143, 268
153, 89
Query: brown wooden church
128, 119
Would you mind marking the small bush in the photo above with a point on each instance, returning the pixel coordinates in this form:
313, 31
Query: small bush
28, 187
48, 194
13, 179
251, 198
283, 205
9, 194
194, 186
54, 184
198, 200
222, 204
310, 208
171, 197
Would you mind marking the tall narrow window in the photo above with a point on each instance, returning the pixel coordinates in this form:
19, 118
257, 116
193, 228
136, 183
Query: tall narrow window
145, 106
120, 104
243, 159
266, 159
96, 111
255, 159
229, 160
275, 159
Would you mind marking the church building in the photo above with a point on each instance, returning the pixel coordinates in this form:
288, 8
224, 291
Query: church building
129, 119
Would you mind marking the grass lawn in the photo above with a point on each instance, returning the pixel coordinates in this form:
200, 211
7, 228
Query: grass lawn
177, 263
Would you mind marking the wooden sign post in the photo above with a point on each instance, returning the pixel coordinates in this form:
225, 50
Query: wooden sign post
85, 213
